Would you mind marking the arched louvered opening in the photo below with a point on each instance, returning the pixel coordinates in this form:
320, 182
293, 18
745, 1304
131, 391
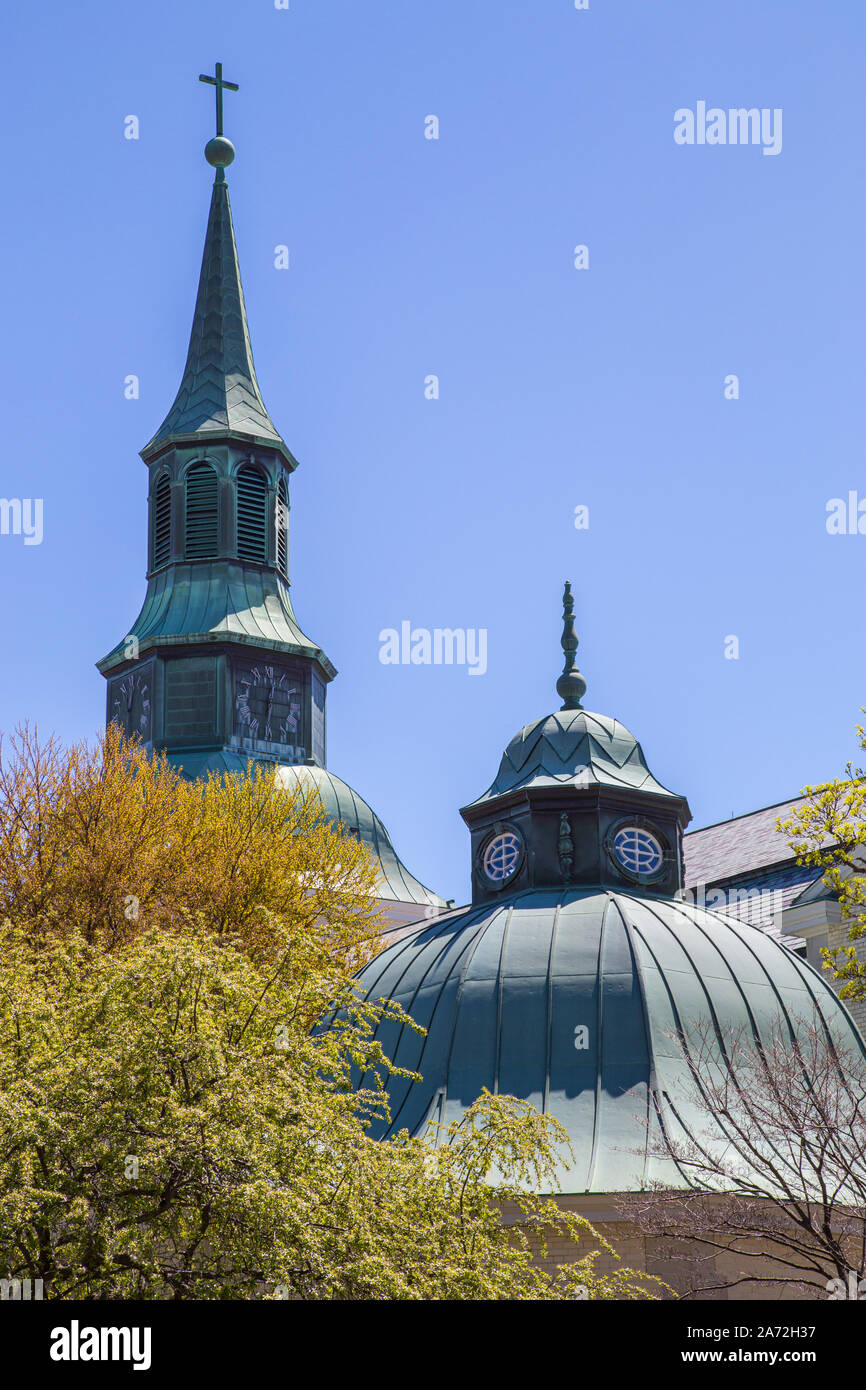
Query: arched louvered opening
283, 528
252, 495
162, 523
202, 512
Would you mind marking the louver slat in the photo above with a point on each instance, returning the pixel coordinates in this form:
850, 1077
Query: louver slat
201, 513
283, 529
162, 524
252, 515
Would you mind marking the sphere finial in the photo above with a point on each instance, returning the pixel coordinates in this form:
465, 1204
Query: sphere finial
571, 684
219, 152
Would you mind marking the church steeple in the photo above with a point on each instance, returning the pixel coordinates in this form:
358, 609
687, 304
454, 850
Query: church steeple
216, 670
216, 660
219, 395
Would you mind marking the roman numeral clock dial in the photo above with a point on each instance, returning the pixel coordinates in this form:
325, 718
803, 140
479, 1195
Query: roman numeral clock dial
130, 705
268, 707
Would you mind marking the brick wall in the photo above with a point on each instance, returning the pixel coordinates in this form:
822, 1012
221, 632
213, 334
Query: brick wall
683, 1265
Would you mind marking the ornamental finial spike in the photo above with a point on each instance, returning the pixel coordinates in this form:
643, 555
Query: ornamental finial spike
571, 685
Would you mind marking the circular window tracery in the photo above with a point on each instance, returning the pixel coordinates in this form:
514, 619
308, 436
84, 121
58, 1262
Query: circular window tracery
501, 858
637, 850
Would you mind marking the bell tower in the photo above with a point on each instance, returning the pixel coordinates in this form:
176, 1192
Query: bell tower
216, 661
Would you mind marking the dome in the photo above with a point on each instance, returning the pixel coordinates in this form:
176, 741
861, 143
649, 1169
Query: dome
569, 998
341, 804
579, 979
573, 747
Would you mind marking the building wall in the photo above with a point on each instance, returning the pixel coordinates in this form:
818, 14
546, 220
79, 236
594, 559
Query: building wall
682, 1265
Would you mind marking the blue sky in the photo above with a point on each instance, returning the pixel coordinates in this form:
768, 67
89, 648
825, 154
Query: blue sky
558, 388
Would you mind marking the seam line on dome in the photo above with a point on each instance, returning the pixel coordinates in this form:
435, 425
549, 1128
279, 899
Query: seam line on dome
500, 992
737, 927
470, 946
548, 1053
599, 1025
678, 1022
459, 995
652, 1076
732, 1138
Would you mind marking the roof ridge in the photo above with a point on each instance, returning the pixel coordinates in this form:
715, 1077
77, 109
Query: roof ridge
788, 801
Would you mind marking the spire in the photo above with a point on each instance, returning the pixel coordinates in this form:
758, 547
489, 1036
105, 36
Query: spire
219, 393
571, 685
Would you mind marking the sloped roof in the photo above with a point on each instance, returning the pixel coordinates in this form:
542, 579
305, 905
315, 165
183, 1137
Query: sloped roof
760, 897
737, 846
220, 601
573, 748
219, 392
341, 803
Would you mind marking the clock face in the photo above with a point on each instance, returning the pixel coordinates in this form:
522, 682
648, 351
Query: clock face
268, 705
130, 704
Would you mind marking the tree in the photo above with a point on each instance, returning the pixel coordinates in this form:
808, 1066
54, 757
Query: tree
776, 1175
108, 841
172, 1126
829, 832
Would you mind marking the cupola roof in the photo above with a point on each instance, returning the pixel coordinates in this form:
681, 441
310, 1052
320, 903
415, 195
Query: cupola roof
572, 747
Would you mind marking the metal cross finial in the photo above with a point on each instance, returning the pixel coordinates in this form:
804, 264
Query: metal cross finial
220, 84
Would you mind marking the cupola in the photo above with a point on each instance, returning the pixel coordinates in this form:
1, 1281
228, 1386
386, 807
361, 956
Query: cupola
574, 801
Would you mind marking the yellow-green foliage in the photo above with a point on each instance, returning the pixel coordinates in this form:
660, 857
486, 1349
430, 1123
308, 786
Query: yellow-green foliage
108, 841
170, 1124
829, 832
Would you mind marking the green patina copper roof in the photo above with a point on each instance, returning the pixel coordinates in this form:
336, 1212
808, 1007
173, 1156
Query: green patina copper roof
573, 747
219, 394
340, 804
502, 990
220, 601
591, 1002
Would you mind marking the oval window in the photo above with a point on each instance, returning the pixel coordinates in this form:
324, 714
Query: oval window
501, 858
637, 850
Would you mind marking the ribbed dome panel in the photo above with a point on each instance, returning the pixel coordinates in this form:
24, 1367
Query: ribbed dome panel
506, 990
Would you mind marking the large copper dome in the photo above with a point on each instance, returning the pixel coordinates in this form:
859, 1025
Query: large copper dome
573, 999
